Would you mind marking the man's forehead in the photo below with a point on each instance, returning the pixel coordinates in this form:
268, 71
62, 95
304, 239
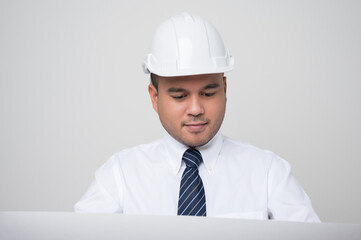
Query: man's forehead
191, 79
195, 77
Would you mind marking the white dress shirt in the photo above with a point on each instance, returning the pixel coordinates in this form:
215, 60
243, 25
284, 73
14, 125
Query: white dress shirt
240, 181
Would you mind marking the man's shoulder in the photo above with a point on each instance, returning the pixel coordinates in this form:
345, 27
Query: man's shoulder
250, 153
130, 158
244, 150
144, 148
235, 145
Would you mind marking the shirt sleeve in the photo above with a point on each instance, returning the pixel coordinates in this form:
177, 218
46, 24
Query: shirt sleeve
287, 201
104, 195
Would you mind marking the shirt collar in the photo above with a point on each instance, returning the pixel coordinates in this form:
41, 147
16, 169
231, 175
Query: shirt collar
175, 151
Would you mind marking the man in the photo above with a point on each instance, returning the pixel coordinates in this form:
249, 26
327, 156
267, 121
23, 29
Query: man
194, 170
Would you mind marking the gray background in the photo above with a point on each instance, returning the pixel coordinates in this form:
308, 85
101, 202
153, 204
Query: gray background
72, 92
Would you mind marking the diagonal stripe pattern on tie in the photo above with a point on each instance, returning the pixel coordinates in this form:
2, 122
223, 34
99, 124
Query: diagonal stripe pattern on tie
192, 198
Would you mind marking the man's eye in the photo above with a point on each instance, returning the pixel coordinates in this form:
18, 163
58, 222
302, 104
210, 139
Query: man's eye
208, 94
179, 97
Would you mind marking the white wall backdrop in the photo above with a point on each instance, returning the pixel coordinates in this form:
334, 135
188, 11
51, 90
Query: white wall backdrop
72, 92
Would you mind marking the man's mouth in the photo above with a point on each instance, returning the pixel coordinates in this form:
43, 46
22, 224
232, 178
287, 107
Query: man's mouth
195, 126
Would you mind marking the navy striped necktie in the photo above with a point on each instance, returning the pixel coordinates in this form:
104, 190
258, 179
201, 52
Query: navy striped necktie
192, 198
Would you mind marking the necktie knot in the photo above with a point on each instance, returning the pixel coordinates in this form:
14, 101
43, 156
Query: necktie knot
192, 158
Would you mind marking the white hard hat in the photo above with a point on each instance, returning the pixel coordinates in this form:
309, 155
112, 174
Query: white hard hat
187, 45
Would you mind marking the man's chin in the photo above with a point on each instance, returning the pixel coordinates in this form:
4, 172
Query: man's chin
192, 139
197, 142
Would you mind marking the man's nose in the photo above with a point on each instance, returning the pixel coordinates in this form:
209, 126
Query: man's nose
195, 106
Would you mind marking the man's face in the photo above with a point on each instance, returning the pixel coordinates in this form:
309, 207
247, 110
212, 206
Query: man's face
190, 108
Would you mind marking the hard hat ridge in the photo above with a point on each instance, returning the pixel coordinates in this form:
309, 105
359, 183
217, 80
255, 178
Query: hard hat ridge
186, 44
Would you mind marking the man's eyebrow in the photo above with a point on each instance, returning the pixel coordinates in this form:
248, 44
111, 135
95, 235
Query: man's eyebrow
211, 86
175, 90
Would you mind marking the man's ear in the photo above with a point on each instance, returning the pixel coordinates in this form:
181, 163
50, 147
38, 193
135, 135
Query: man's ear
153, 93
225, 85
